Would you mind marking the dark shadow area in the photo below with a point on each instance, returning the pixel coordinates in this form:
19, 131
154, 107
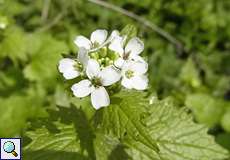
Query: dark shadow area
12, 80
97, 118
116, 100
227, 95
83, 130
223, 140
136, 9
26, 140
118, 153
48, 123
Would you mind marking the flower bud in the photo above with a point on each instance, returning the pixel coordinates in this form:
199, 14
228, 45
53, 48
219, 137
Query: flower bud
113, 55
94, 55
103, 52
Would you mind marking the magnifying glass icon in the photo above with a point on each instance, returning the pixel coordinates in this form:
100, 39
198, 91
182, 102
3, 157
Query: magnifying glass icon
9, 147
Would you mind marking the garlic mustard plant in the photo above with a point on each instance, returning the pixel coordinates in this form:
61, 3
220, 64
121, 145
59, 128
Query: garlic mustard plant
103, 61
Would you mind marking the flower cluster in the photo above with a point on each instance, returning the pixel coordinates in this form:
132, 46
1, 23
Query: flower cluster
103, 61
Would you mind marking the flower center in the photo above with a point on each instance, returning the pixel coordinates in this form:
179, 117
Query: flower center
104, 62
126, 55
96, 81
78, 66
129, 74
104, 56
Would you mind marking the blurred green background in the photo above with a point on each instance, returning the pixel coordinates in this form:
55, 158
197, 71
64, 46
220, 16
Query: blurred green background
34, 35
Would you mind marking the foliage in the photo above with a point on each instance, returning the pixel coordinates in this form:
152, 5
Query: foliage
131, 127
35, 104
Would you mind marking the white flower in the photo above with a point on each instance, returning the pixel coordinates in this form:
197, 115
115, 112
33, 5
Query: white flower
131, 51
2, 25
72, 68
97, 38
133, 75
95, 84
106, 67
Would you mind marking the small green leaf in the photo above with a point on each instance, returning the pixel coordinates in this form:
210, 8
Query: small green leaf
130, 31
14, 44
190, 75
61, 97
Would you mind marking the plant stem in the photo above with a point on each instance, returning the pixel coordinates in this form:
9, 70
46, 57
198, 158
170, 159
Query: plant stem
45, 10
143, 21
52, 23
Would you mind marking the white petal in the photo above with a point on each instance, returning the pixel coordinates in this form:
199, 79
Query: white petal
119, 63
127, 83
71, 74
140, 82
110, 75
83, 56
99, 36
114, 34
93, 68
139, 68
82, 41
135, 46
100, 98
82, 88
137, 58
66, 66
116, 45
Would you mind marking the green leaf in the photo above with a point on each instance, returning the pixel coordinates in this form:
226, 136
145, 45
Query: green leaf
61, 97
68, 135
190, 75
16, 109
207, 109
14, 44
178, 137
46, 145
130, 128
109, 147
223, 140
122, 118
14, 115
43, 65
141, 126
